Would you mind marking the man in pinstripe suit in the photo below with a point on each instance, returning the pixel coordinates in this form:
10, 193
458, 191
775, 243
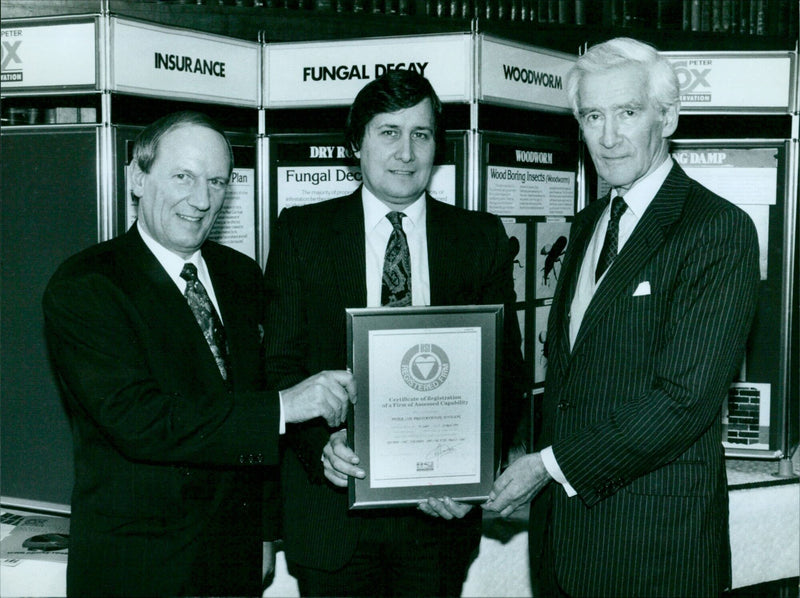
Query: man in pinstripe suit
640, 357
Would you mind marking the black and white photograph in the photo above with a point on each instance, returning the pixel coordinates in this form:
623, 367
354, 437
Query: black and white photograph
399, 298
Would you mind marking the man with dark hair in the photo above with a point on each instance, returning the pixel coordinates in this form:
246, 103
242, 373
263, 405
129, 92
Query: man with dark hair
648, 325
156, 337
387, 96
330, 256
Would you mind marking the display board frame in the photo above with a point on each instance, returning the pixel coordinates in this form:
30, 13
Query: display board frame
186, 64
48, 225
522, 76
314, 74
25, 69
541, 234
735, 82
755, 422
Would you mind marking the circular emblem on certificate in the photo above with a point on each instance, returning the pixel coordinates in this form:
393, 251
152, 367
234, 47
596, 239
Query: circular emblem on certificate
425, 367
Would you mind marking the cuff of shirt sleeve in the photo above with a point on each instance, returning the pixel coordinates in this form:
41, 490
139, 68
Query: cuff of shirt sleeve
552, 467
282, 421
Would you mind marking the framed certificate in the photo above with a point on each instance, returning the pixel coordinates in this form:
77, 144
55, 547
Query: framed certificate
425, 423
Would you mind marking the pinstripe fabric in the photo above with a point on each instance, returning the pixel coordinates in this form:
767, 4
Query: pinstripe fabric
633, 411
315, 270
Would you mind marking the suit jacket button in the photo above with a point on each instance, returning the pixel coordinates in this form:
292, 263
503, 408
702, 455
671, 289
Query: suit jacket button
564, 405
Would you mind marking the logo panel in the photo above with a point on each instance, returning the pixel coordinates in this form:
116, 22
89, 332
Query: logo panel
425, 367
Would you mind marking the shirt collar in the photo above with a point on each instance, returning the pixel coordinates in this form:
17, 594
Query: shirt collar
171, 262
642, 193
375, 210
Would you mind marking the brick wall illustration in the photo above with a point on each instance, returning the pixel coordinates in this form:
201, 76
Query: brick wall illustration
743, 411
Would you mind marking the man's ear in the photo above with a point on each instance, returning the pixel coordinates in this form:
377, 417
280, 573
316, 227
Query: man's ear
136, 176
671, 120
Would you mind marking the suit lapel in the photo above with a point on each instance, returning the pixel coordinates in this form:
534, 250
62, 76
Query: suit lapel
228, 292
647, 237
442, 261
148, 283
347, 247
162, 304
558, 333
224, 289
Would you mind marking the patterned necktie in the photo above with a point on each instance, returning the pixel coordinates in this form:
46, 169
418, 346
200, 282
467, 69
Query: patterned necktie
206, 317
609, 251
396, 287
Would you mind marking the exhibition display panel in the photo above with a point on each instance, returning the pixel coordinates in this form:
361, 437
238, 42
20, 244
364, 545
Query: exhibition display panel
513, 149
496, 94
756, 168
502, 169
72, 120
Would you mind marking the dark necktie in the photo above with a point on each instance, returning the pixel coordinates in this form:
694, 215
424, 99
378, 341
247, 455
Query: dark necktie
206, 317
396, 287
609, 251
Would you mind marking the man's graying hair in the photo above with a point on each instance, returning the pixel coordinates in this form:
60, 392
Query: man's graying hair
663, 87
146, 145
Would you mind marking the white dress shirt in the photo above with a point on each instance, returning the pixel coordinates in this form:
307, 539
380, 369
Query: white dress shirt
378, 229
173, 264
637, 198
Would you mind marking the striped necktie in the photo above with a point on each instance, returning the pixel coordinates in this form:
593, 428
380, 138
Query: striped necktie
609, 251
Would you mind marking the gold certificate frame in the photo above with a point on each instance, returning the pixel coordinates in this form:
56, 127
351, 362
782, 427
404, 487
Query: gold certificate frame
425, 423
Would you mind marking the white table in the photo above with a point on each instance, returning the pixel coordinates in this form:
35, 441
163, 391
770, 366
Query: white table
764, 527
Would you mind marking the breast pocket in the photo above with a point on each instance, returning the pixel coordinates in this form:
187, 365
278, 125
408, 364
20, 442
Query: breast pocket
640, 295
632, 329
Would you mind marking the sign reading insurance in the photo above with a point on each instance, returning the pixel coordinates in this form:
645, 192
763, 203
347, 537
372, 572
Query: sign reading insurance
178, 63
332, 73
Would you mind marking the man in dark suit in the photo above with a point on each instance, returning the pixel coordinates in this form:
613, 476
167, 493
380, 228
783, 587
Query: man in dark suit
156, 337
327, 257
640, 356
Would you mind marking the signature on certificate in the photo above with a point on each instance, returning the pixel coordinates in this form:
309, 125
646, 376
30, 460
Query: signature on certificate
441, 450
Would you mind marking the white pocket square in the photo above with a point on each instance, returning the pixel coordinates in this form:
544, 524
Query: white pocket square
643, 289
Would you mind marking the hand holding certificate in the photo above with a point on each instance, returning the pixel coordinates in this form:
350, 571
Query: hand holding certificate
425, 423
339, 462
